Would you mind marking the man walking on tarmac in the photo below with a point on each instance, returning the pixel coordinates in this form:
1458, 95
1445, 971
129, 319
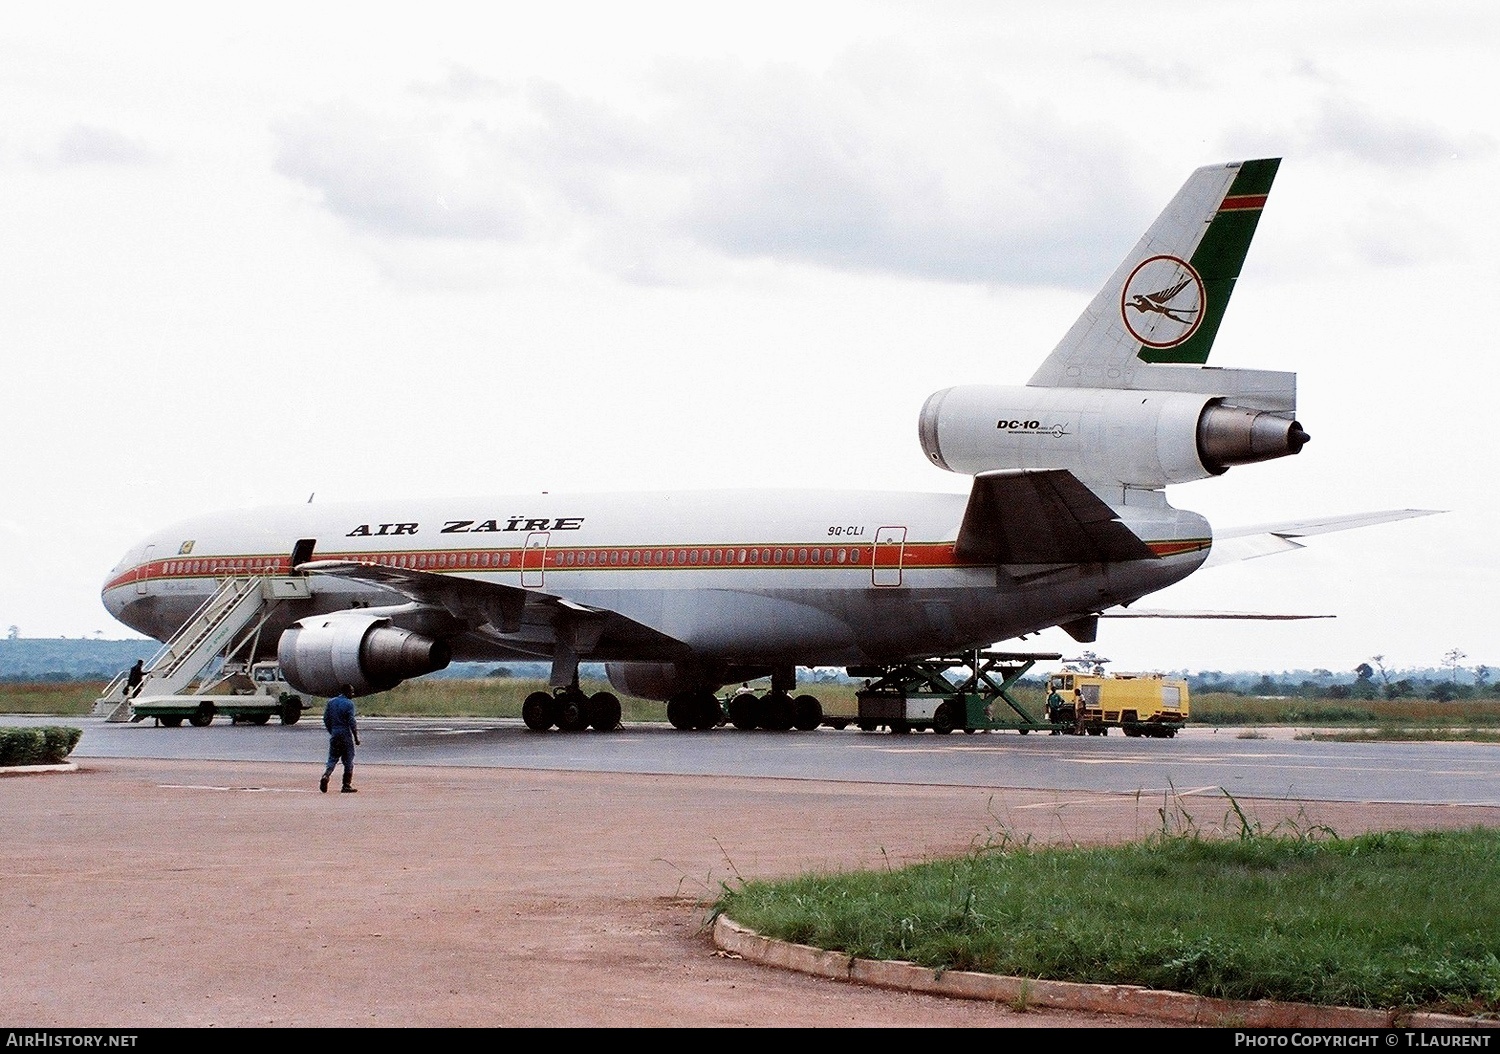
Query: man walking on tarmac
343, 736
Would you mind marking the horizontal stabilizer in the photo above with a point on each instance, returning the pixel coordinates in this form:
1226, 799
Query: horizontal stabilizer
1043, 516
1267, 539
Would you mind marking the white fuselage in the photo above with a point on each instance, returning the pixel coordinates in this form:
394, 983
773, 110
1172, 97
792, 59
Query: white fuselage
739, 578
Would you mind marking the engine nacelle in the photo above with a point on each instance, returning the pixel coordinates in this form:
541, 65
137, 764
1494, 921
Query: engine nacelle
654, 680
1106, 435
327, 653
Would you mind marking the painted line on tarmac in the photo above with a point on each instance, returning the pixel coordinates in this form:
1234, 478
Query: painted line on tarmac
243, 790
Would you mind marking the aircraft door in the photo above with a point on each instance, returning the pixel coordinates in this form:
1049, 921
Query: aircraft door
534, 559
142, 568
890, 542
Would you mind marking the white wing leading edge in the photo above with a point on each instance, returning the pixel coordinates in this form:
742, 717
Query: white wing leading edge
1267, 539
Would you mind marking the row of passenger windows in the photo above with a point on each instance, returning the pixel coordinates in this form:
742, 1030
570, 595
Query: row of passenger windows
252, 565
554, 558
695, 557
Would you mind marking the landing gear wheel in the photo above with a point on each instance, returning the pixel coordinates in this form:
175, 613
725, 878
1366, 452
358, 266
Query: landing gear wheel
942, 721
681, 712
536, 711
203, 716
604, 712
807, 713
570, 710
742, 711
710, 713
779, 712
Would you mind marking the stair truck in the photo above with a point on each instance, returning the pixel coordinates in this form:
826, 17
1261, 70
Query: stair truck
250, 697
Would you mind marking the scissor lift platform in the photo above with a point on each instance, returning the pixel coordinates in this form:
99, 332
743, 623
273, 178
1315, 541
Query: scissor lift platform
926, 694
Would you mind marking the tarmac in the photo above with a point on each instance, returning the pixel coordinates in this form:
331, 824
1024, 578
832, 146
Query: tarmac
172, 893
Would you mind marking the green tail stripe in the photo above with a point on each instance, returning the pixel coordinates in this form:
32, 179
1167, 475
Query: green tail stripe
1218, 260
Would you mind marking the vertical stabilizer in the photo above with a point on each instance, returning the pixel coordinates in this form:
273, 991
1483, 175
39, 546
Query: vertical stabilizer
1164, 303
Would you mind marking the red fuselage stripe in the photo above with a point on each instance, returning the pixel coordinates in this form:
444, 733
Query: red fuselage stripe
908, 555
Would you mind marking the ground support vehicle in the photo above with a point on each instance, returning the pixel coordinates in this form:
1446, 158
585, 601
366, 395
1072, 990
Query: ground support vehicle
246, 697
1139, 704
909, 696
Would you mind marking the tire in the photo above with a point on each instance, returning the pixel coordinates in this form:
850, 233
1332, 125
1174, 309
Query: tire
942, 721
604, 712
900, 728
681, 713
536, 711
260, 719
868, 726
780, 712
291, 710
807, 713
570, 710
203, 716
707, 712
742, 711
839, 725
171, 720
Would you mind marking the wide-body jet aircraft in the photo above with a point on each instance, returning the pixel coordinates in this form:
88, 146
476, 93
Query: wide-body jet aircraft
680, 593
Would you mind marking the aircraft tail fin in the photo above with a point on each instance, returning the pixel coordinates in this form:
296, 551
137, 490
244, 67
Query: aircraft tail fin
1164, 303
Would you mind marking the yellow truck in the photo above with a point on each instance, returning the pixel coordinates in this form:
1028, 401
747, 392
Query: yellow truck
1139, 704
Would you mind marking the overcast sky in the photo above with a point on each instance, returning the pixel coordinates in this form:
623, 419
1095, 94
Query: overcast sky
253, 252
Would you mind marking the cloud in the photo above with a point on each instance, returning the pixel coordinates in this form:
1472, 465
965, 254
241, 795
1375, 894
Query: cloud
403, 178
85, 144
1343, 127
841, 170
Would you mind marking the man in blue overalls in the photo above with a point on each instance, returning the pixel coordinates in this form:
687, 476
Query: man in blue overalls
343, 736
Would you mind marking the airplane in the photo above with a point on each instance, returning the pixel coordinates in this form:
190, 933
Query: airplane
682, 593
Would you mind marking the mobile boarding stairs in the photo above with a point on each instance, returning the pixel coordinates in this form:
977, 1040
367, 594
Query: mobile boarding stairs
206, 669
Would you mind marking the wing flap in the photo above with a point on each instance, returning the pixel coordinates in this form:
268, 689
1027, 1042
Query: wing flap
1042, 516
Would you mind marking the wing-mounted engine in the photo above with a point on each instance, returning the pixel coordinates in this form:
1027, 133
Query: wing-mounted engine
324, 654
1106, 436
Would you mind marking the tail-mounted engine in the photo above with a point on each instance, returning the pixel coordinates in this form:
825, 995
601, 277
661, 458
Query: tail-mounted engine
327, 653
1101, 435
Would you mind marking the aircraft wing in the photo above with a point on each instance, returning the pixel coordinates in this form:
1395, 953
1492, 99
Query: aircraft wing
1042, 516
536, 620
1267, 539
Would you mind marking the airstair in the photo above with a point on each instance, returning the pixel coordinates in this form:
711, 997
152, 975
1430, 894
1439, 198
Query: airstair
225, 627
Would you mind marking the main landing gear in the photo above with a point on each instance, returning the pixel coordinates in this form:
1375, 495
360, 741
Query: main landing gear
571, 710
776, 711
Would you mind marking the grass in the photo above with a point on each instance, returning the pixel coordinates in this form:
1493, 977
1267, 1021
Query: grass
1392, 920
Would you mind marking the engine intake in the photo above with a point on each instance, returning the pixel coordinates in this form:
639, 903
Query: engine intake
325, 654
